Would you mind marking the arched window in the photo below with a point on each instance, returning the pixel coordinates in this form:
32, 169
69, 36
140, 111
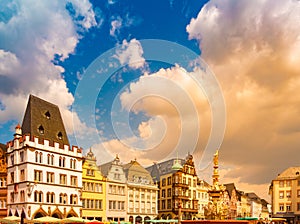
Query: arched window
71, 163
36, 196
36, 157
41, 157
65, 198
60, 161
48, 159
52, 159
52, 197
61, 198
74, 165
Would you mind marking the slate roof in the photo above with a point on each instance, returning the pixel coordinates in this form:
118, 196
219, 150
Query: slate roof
42, 115
289, 173
229, 188
159, 169
3, 147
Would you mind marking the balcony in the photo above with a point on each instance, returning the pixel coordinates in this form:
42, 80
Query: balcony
181, 184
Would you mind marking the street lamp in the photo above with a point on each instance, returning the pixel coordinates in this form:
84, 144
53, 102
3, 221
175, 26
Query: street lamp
30, 187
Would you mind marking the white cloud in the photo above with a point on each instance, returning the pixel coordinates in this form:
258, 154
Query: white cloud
116, 25
253, 48
131, 53
31, 36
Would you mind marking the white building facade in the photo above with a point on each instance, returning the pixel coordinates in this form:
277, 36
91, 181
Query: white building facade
44, 176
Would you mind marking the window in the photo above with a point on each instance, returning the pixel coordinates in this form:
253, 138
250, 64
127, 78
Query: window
190, 182
169, 204
73, 199
163, 183
12, 177
62, 161
288, 183
169, 181
63, 198
38, 175
288, 207
281, 207
22, 156
50, 197
47, 115
184, 180
98, 187
50, 159
12, 197
63, 179
59, 136
38, 157
288, 194
281, 194
163, 193
41, 130
72, 163
163, 204
169, 192
50, 177
298, 193
12, 160
298, 206
281, 183
90, 172
73, 180
38, 196
22, 175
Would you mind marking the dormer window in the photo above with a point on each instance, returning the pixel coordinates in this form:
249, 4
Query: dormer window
297, 173
41, 129
59, 136
47, 114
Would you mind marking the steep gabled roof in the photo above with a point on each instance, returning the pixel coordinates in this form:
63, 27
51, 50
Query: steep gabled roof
230, 187
43, 119
3, 147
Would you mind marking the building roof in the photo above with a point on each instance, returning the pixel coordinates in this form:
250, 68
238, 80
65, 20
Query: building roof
289, 173
159, 169
105, 168
3, 147
43, 120
134, 170
230, 187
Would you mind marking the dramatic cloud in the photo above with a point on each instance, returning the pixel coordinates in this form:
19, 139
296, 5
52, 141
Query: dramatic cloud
174, 122
32, 36
254, 49
131, 53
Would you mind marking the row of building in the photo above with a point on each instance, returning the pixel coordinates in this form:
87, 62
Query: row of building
42, 175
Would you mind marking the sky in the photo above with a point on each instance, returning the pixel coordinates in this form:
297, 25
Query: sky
154, 80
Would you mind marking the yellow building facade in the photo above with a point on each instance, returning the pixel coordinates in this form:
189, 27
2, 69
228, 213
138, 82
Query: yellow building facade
285, 194
93, 190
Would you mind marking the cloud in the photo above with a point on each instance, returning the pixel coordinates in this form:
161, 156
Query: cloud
173, 124
131, 53
32, 36
253, 48
117, 23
